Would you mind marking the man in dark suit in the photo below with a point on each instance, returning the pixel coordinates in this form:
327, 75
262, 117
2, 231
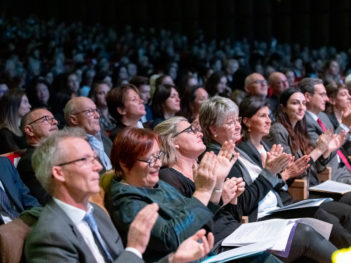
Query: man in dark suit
318, 122
37, 125
14, 195
81, 112
70, 229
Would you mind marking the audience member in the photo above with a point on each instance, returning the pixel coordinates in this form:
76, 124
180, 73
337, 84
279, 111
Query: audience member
82, 112
36, 125
256, 85
70, 228
13, 106
15, 196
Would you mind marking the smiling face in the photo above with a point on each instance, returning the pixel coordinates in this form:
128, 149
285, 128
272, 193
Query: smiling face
79, 179
295, 107
188, 143
260, 123
141, 175
230, 130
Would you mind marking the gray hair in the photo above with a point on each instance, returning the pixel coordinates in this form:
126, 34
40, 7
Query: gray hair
49, 154
167, 129
70, 107
307, 84
215, 111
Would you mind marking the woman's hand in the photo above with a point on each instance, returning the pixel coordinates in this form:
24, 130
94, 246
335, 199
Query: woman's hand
225, 161
195, 247
232, 189
276, 160
296, 168
337, 140
205, 178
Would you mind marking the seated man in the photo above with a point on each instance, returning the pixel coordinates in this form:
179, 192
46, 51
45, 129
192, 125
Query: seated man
36, 125
81, 112
70, 229
14, 195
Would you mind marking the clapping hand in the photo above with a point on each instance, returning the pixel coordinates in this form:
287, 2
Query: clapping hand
296, 168
276, 160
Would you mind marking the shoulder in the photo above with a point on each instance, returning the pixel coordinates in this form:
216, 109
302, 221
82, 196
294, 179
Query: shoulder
277, 128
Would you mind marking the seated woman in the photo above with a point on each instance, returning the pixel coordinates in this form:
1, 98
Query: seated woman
165, 103
256, 125
184, 145
126, 107
98, 93
339, 103
13, 106
136, 158
192, 98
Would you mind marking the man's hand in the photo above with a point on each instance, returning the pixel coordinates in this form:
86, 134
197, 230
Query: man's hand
193, 248
140, 229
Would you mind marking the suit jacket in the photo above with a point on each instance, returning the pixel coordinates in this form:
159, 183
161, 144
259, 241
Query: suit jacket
27, 175
339, 173
347, 145
16, 191
55, 238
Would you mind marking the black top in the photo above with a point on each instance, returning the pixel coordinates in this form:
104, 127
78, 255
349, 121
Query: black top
11, 142
224, 221
27, 175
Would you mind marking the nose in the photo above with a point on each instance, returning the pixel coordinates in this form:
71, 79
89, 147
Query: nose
97, 165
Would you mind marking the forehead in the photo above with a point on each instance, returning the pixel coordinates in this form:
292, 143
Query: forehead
145, 87
77, 146
183, 124
297, 96
201, 92
256, 76
85, 103
174, 91
131, 93
319, 88
102, 86
40, 113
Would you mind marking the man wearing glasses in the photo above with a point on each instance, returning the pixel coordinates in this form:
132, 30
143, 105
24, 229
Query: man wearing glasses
81, 112
70, 229
256, 85
37, 125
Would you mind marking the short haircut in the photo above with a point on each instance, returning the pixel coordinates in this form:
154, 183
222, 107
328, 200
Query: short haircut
50, 153
115, 98
167, 130
70, 107
215, 111
307, 84
130, 144
25, 119
138, 81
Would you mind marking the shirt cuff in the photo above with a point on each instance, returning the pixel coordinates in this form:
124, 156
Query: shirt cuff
134, 251
343, 126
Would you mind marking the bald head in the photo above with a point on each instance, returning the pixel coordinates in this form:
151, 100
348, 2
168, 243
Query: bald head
81, 112
37, 125
256, 85
278, 82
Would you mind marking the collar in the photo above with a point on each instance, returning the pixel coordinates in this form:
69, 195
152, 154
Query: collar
314, 116
75, 214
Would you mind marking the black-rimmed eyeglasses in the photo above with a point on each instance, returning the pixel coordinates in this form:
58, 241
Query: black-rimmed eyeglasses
45, 118
190, 129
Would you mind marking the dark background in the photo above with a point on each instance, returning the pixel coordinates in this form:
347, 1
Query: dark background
309, 22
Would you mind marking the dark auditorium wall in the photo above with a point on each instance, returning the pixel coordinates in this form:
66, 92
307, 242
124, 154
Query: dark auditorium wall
309, 22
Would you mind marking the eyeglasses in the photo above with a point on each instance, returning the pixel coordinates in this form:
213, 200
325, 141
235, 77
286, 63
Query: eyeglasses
190, 129
259, 81
89, 112
232, 122
45, 118
153, 159
85, 160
